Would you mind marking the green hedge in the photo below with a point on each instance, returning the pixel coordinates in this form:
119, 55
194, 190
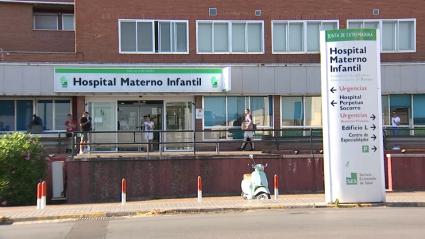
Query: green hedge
21, 168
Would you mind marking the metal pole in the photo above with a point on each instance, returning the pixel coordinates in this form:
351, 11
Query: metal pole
311, 141
194, 142
148, 144
73, 140
60, 143
160, 145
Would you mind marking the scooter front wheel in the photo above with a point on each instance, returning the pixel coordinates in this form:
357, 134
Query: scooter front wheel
262, 196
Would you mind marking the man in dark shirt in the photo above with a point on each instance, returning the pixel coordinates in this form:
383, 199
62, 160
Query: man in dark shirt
85, 124
36, 125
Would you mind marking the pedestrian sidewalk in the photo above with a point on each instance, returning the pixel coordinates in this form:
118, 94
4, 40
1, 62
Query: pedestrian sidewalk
190, 205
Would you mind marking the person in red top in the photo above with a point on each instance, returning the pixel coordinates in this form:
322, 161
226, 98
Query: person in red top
70, 127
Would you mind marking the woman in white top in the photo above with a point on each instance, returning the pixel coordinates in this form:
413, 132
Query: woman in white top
248, 127
395, 123
148, 127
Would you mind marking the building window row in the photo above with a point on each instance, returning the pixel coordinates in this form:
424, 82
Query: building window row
53, 21
149, 36
306, 111
397, 35
247, 37
299, 36
230, 37
16, 115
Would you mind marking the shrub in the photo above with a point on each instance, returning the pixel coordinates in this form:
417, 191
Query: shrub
21, 167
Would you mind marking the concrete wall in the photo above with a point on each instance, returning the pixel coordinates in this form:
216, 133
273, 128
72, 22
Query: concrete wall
99, 180
406, 172
397, 78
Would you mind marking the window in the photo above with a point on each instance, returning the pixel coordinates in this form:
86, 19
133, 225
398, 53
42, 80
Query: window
45, 112
214, 111
313, 111
68, 22
235, 110
385, 109
53, 113
53, 21
221, 112
16, 115
24, 110
46, 21
419, 109
292, 111
299, 36
301, 111
230, 37
261, 110
228, 111
148, 36
7, 115
397, 35
400, 104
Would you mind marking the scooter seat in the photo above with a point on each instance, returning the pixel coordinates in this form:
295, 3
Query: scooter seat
247, 176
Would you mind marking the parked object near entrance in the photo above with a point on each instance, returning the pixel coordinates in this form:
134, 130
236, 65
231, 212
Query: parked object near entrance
255, 184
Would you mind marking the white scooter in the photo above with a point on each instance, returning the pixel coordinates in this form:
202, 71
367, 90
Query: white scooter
255, 185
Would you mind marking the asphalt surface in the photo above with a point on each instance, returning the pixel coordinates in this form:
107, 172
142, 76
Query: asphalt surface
364, 223
10, 215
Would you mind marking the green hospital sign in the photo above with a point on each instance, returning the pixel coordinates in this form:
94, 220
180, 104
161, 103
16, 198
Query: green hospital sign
150, 80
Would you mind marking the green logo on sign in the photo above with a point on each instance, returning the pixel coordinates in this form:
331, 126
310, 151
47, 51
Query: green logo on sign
365, 148
214, 82
351, 180
64, 82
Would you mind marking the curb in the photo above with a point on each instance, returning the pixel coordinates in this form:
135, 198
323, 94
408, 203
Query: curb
155, 212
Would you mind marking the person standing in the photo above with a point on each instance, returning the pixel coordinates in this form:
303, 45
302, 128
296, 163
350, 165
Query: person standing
148, 127
36, 125
395, 123
85, 125
247, 127
70, 127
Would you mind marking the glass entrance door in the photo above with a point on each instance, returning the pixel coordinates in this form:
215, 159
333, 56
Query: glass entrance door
128, 123
179, 117
103, 119
131, 115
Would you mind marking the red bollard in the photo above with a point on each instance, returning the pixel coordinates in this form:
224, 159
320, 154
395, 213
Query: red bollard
43, 194
276, 187
38, 195
123, 191
199, 189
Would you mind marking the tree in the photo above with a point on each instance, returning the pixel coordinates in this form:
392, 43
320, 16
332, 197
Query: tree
21, 167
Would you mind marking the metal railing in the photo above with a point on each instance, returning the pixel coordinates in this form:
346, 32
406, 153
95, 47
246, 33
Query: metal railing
294, 139
194, 140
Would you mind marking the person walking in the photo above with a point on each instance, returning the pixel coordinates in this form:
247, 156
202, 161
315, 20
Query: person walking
70, 127
247, 127
85, 124
148, 127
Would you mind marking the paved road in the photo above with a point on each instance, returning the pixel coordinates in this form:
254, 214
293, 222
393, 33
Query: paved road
358, 223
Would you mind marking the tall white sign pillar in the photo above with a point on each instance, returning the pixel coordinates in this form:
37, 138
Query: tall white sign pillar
352, 118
